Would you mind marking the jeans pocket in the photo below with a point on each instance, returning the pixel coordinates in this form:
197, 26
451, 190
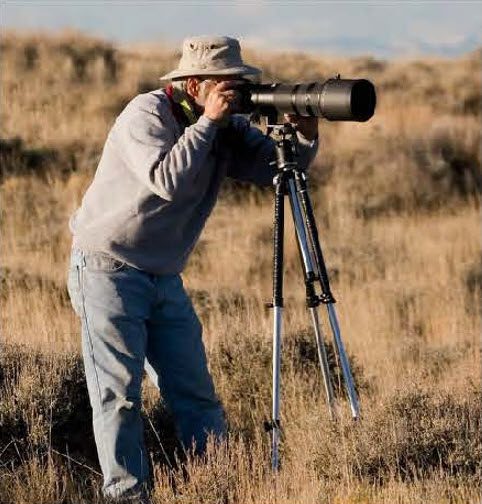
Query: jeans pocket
73, 288
100, 261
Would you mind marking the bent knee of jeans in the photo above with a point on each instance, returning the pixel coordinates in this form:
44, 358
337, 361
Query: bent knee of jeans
114, 400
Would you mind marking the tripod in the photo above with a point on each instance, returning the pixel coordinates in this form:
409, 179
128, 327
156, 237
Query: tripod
290, 180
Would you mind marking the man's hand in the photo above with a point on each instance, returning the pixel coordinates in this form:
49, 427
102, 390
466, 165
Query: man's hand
307, 126
222, 101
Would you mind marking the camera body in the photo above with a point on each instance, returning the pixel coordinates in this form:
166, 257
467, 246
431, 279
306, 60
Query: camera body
335, 100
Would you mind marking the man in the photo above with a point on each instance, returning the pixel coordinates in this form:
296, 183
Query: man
156, 184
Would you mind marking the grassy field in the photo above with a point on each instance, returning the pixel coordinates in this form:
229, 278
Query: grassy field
397, 203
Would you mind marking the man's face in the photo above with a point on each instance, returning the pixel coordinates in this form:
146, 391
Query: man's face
200, 87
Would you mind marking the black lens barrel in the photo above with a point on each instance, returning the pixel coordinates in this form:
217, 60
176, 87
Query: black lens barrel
335, 100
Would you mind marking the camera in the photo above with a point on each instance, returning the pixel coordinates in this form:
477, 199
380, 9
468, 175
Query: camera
336, 99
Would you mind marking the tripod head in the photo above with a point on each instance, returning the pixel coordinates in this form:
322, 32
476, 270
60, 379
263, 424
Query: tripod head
273, 124
286, 142
285, 129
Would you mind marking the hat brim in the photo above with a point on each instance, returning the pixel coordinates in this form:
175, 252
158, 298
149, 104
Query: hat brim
239, 70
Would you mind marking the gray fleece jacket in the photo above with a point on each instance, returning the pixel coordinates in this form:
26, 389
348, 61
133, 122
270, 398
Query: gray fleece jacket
156, 184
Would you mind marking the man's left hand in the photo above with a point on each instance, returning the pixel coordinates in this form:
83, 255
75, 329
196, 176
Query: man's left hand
307, 126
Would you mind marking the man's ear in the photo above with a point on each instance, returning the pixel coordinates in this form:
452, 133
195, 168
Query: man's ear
192, 86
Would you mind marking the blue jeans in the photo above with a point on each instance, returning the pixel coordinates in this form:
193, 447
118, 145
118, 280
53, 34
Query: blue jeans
130, 320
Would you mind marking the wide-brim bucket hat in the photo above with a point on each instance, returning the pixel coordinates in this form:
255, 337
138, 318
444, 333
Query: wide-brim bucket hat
208, 55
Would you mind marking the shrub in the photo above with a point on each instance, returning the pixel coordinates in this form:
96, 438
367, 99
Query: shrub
409, 434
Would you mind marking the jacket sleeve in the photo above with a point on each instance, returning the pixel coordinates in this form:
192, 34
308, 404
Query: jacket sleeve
149, 148
255, 151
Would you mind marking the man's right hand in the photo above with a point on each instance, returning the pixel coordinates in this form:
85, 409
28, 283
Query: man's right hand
221, 102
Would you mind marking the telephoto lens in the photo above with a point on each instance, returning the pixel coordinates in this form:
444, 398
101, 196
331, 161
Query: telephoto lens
335, 100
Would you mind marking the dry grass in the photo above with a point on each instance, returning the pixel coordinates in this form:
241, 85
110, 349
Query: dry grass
397, 202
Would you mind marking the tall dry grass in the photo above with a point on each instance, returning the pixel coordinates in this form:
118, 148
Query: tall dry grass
397, 202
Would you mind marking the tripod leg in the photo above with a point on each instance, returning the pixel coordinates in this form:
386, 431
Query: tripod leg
345, 365
275, 425
278, 237
323, 359
328, 298
311, 298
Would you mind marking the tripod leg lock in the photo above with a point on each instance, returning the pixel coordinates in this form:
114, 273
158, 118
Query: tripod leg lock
270, 425
327, 298
277, 304
312, 301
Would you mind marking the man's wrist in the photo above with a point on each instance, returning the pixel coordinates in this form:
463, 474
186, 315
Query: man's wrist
207, 121
220, 123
